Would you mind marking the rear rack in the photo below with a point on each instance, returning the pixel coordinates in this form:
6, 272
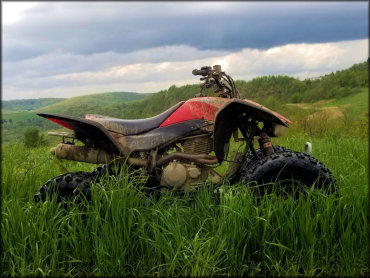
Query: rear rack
71, 135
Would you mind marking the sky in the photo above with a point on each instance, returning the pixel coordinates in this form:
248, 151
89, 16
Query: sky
66, 49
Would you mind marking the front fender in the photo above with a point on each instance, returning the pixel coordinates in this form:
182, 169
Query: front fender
225, 121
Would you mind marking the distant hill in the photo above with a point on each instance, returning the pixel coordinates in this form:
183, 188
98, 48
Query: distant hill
87, 104
271, 91
28, 104
346, 89
276, 90
19, 115
152, 104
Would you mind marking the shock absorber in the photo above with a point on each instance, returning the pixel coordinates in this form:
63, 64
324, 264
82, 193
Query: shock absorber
265, 144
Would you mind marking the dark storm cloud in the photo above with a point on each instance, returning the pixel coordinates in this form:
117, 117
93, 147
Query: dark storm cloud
122, 27
63, 49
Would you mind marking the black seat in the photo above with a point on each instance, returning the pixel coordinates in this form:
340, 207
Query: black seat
132, 127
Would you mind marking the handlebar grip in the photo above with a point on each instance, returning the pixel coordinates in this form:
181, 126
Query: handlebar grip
202, 72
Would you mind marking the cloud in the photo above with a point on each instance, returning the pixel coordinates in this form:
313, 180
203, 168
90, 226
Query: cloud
123, 27
62, 49
158, 68
14, 11
61, 62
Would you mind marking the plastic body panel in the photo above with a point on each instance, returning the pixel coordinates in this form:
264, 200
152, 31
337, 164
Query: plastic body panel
87, 129
159, 137
202, 108
185, 118
206, 108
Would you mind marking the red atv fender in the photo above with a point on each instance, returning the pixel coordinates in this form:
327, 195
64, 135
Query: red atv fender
225, 121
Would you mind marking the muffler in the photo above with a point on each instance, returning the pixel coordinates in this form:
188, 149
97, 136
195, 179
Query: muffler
81, 153
91, 155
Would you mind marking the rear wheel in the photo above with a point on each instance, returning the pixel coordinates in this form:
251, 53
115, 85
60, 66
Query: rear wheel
74, 185
77, 185
287, 171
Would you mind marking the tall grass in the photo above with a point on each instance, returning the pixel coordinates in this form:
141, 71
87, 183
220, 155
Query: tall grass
346, 157
123, 231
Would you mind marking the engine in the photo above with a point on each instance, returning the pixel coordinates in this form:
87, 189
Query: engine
186, 175
200, 144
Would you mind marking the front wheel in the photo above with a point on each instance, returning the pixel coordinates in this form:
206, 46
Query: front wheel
286, 170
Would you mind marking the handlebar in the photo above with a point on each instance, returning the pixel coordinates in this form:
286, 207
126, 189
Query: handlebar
202, 72
222, 83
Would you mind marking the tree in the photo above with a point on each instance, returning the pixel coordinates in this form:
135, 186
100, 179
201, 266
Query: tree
33, 138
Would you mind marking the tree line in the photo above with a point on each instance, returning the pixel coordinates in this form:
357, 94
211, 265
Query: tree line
271, 91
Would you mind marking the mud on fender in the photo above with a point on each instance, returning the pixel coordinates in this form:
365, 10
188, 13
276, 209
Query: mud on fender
226, 121
86, 130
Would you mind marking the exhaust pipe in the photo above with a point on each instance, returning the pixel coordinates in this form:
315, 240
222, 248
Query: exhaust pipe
89, 155
80, 153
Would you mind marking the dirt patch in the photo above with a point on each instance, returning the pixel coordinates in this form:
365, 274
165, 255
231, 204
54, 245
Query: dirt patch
331, 112
324, 101
300, 105
311, 105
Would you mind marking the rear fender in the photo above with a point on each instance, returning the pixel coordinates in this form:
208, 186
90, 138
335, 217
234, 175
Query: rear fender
225, 122
87, 130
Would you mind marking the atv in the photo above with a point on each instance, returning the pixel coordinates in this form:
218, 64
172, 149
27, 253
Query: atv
181, 147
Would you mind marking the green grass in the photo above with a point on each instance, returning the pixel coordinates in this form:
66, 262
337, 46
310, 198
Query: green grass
77, 106
124, 232
356, 103
18, 116
21, 121
347, 158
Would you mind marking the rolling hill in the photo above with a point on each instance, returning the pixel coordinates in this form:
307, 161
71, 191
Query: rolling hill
93, 100
271, 91
28, 104
18, 115
342, 93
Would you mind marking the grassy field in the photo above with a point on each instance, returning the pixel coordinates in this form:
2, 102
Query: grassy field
357, 103
18, 116
125, 232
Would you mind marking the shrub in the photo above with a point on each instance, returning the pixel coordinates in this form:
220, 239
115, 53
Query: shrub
295, 98
33, 138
